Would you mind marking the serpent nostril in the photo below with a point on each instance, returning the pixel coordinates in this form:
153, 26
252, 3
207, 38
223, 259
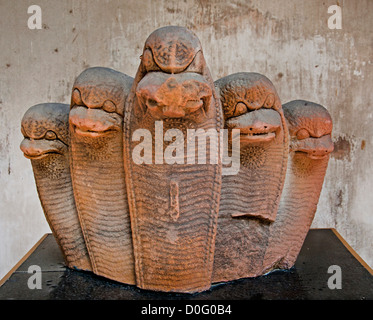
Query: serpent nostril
172, 83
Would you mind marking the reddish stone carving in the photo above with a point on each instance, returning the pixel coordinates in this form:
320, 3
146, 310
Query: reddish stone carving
249, 200
174, 204
96, 129
310, 128
46, 143
134, 181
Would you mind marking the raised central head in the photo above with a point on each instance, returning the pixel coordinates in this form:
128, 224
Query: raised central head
174, 81
172, 50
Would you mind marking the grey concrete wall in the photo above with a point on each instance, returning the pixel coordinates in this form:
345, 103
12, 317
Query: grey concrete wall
288, 41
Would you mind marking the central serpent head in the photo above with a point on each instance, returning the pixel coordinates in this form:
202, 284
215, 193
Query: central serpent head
172, 49
173, 83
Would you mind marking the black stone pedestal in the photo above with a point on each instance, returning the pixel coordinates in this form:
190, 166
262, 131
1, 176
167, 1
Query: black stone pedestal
307, 280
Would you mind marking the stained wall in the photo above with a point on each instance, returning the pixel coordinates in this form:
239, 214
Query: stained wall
288, 41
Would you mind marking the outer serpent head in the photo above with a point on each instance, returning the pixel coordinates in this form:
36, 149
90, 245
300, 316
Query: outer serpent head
45, 130
310, 128
97, 102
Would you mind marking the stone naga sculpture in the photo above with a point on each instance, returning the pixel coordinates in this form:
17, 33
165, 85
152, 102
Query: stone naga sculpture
173, 202
249, 200
132, 176
45, 128
310, 128
96, 130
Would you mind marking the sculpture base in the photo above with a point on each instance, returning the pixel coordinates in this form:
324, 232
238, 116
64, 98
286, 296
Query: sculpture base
307, 280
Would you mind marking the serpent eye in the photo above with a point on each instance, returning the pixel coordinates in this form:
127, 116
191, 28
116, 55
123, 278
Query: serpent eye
109, 106
148, 61
240, 109
269, 102
303, 134
50, 135
197, 63
76, 98
152, 103
23, 132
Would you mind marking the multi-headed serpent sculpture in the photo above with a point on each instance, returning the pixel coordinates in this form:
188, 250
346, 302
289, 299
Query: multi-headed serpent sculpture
137, 181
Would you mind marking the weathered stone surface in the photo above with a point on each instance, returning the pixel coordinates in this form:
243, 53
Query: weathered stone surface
96, 127
46, 130
174, 204
134, 181
249, 200
310, 128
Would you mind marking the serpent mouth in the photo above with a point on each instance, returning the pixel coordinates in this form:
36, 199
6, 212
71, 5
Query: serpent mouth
261, 125
309, 154
257, 136
317, 157
93, 122
42, 155
91, 133
41, 148
313, 148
